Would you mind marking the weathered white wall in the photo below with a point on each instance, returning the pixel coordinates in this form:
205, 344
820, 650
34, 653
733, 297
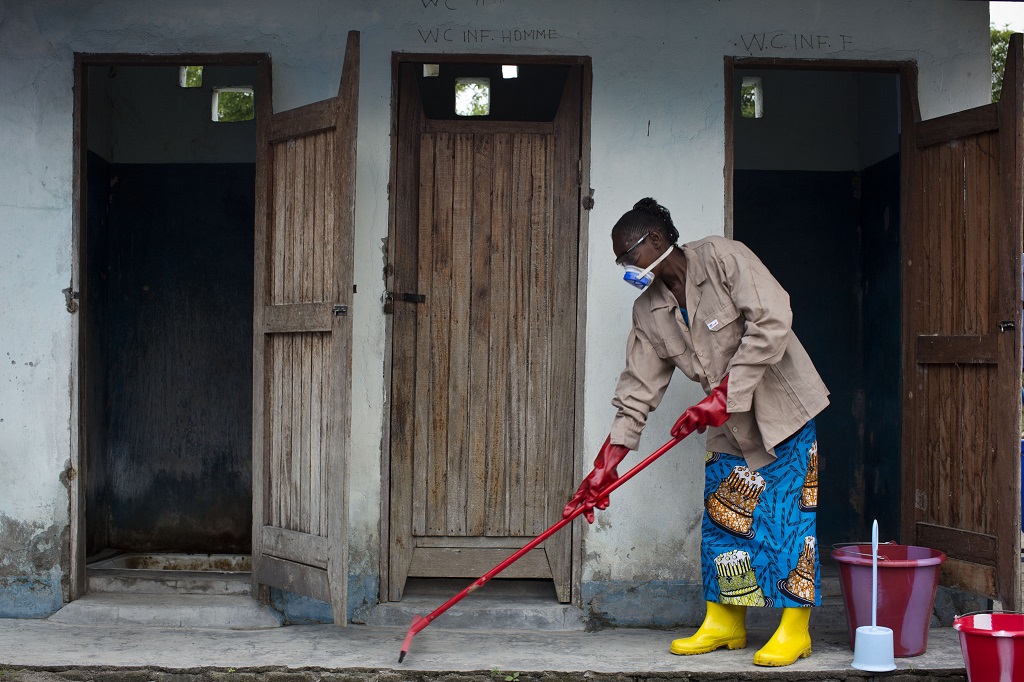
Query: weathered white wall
657, 129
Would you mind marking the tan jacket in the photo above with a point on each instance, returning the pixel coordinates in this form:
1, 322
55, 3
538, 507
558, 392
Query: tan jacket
740, 325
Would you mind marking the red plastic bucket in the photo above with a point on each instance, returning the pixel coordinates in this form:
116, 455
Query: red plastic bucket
993, 646
907, 579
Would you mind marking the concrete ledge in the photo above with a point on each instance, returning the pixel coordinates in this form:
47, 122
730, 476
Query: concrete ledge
175, 611
168, 582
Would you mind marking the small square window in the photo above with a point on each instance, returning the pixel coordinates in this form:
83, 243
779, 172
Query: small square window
233, 104
190, 76
472, 96
431, 70
752, 97
509, 71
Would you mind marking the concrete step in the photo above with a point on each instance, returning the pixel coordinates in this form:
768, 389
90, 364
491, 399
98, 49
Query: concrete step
231, 612
498, 605
134, 581
532, 605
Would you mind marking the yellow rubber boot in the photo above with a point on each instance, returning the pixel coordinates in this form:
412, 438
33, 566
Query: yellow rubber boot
790, 642
723, 626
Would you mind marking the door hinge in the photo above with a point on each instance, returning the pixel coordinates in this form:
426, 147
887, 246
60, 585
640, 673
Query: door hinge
340, 310
1007, 326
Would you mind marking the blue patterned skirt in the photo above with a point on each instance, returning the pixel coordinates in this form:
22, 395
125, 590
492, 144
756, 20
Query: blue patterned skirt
758, 538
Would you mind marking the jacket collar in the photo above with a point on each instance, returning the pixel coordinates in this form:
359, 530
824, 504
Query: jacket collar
658, 294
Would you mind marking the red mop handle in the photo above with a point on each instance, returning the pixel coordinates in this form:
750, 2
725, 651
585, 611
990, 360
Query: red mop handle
423, 622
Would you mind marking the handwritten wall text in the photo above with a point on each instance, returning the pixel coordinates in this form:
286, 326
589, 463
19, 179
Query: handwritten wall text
783, 40
486, 35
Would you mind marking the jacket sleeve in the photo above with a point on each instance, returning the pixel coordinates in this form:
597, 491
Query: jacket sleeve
768, 322
640, 388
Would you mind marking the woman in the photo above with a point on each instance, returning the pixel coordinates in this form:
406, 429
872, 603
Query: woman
711, 309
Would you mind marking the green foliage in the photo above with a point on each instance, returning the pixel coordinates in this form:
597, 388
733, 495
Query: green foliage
1000, 43
747, 95
472, 99
193, 76
235, 106
7, 673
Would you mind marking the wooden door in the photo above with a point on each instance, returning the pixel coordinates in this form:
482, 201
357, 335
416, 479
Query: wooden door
302, 343
962, 340
483, 371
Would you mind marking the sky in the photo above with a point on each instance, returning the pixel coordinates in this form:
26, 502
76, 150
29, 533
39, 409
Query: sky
1007, 13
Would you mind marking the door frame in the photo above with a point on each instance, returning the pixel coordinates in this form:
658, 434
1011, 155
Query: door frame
395, 213
76, 473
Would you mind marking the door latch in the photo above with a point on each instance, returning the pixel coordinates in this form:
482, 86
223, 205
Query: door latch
1007, 326
406, 298
390, 297
340, 310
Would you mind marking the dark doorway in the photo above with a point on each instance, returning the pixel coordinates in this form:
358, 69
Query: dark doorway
166, 264
816, 180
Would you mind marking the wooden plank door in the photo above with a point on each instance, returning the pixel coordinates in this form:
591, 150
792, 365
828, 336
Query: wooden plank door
483, 372
302, 343
962, 341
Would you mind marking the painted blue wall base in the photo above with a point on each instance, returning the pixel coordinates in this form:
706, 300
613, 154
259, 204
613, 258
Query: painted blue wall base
647, 603
30, 596
300, 610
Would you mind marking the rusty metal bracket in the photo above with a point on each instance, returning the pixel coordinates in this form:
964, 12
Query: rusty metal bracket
406, 298
70, 300
391, 297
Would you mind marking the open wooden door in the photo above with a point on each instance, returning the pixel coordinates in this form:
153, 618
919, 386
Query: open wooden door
305, 212
485, 335
962, 340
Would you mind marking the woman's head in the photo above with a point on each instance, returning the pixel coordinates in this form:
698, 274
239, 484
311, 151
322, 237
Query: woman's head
647, 215
647, 218
642, 239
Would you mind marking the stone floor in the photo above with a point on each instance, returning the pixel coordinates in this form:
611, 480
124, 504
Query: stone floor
38, 650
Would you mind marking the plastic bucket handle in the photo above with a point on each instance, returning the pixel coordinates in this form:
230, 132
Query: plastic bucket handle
846, 554
969, 628
845, 548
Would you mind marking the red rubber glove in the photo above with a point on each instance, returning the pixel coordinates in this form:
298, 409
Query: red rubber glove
603, 475
708, 412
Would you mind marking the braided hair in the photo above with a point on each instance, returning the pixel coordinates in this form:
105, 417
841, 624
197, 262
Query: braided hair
646, 215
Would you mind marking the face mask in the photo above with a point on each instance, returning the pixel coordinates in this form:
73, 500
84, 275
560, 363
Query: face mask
642, 279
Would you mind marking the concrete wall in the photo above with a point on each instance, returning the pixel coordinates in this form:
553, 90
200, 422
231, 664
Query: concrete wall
657, 129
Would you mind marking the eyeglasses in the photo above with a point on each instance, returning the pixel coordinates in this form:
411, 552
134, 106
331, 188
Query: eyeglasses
623, 260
